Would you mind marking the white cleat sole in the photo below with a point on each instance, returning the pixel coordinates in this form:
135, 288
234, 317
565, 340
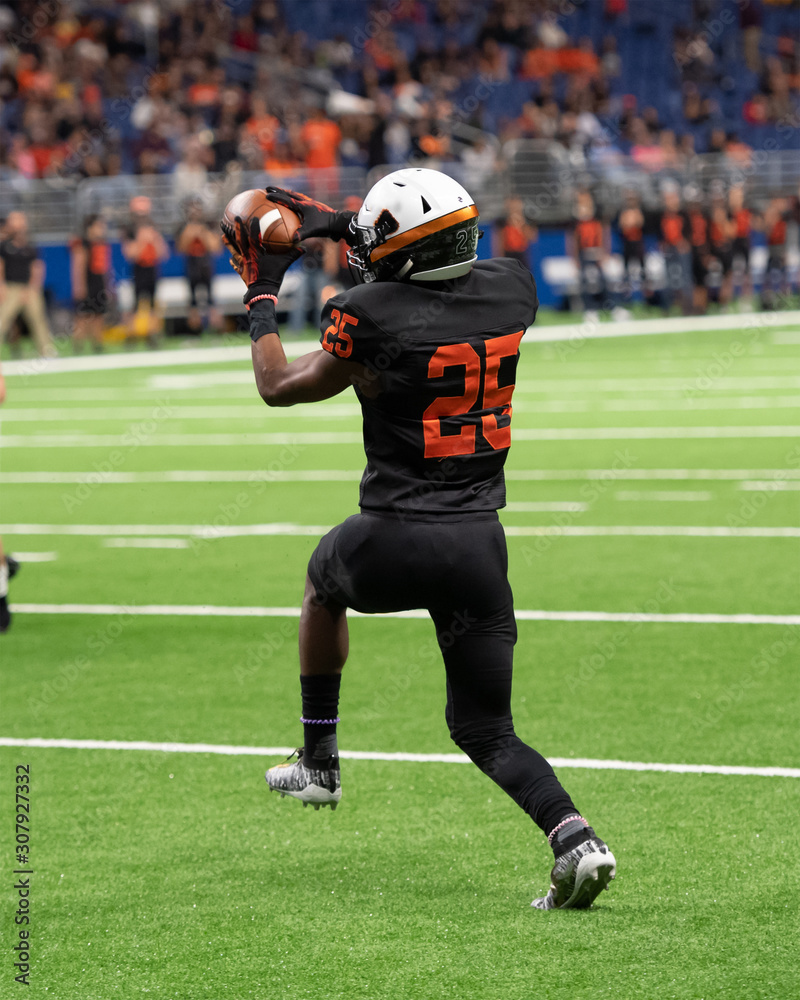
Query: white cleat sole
311, 795
593, 874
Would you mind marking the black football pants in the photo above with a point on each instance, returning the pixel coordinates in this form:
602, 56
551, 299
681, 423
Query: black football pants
458, 571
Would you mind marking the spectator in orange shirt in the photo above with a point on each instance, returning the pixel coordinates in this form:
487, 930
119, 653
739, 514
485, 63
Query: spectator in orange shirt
200, 244
145, 248
320, 137
539, 63
589, 242
91, 283
280, 163
260, 130
514, 235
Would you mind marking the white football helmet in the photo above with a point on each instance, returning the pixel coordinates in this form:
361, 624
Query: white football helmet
415, 224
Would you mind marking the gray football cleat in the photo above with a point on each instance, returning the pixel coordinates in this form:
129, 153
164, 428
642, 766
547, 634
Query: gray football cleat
318, 787
579, 876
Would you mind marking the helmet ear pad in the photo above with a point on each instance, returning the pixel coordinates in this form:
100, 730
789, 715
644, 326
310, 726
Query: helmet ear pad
386, 224
415, 224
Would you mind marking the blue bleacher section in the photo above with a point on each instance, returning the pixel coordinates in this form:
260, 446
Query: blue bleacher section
644, 37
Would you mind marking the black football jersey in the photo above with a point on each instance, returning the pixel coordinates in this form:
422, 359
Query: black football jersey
443, 360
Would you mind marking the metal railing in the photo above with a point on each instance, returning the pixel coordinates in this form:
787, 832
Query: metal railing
171, 193
544, 174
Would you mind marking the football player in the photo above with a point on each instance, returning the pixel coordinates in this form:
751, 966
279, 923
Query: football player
429, 339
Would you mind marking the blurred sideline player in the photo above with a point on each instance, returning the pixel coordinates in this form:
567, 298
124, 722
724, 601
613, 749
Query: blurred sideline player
145, 248
590, 242
90, 264
742, 224
721, 231
701, 251
676, 250
631, 228
199, 244
8, 565
21, 284
429, 339
514, 235
776, 232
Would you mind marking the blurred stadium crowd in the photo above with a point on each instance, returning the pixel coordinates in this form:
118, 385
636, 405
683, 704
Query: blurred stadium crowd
552, 112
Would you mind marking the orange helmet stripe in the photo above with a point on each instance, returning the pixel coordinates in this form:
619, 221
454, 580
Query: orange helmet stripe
426, 229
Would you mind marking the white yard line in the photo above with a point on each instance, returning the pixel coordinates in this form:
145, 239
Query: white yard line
203, 531
683, 496
773, 477
341, 411
583, 763
536, 475
651, 433
765, 485
222, 611
149, 359
536, 506
688, 404
164, 411
140, 438
668, 383
31, 557
187, 476
211, 532
576, 333
145, 543
654, 530
201, 380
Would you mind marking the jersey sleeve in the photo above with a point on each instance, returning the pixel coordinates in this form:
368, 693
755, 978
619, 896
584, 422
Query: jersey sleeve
347, 333
530, 296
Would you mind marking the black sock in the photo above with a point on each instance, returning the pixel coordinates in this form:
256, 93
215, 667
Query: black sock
320, 707
570, 835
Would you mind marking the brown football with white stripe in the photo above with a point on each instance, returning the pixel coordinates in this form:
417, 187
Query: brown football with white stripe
277, 223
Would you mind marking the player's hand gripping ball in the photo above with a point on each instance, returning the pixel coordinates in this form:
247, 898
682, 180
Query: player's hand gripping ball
277, 224
259, 237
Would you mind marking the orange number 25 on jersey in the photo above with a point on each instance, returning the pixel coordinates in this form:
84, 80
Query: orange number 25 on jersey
494, 397
342, 345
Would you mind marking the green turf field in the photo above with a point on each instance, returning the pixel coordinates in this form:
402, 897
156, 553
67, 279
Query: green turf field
176, 874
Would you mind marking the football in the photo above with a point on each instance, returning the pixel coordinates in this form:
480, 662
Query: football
277, 223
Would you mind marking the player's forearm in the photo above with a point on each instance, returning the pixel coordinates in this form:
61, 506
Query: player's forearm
282, 383
269, 358
307, 379
277, 385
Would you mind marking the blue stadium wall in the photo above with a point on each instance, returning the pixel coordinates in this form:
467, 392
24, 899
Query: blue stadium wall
551, 243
